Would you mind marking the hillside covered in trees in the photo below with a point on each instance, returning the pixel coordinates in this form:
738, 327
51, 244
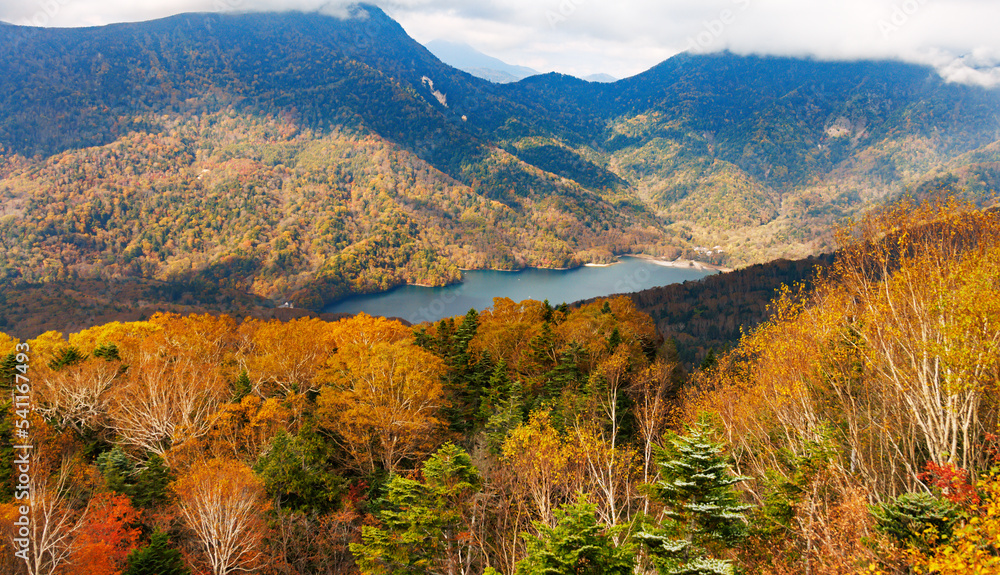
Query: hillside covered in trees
302, 157
853, 432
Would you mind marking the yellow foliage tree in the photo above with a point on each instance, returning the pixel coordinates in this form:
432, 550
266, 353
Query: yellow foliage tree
546, 464
889, 363
243, 430
178, 376
972, 547
7, 343
284, 357
384, 395
897, 346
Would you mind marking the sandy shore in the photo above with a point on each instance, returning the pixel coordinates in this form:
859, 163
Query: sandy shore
678, 263
683, 263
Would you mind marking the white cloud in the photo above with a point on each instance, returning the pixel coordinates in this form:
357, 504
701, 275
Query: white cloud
624, 37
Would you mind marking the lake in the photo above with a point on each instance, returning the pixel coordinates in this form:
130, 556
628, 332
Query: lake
478, 288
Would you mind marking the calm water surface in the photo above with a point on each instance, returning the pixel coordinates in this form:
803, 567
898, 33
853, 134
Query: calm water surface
478, 288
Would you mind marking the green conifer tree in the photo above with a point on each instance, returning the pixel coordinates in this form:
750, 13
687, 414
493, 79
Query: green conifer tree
65, 357
614, 340
577, 545
422, 522
547, 311
503, 408
705, 516
150, 488
157, 558
107, 351
298, 472
8, 371
709, 362
567, 372
242, 387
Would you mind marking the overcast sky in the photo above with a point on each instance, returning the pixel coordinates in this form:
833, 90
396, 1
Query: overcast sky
623, 37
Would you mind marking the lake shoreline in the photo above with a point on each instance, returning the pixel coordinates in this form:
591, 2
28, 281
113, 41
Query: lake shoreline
677, 263
479, 288
683, 263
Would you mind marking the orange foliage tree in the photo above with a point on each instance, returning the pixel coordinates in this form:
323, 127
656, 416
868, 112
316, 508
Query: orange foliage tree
282, 357
177, 379
384, 396
223, 504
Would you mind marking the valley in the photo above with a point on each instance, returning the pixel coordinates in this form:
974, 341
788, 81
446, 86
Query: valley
331, 168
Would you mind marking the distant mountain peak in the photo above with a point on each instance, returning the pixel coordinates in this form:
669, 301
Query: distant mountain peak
464, 57
600, 77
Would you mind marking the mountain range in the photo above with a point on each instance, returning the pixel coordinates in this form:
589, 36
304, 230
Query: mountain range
303, 157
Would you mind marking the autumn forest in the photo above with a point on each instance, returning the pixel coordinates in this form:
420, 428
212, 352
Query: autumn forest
181, 198
854, 431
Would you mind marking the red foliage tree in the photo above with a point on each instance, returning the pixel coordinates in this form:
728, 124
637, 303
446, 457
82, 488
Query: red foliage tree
107, 537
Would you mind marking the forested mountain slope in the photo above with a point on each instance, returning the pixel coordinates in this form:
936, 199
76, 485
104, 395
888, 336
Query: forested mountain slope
762, 155
305, 157
296, 156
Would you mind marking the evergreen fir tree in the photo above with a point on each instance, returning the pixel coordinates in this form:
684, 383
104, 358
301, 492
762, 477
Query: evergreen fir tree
6, 447
150, 487
466, 331
65, 357
466, 376
566, 373
146, 485
117, 469
497, 390
298, 472
423, 524
577, 545
502, 409
444, 340
107, 351
8, 369
156, 559
614, 340
919, 520
542, 348
242, 387
709, 362
547, 311
704, 512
